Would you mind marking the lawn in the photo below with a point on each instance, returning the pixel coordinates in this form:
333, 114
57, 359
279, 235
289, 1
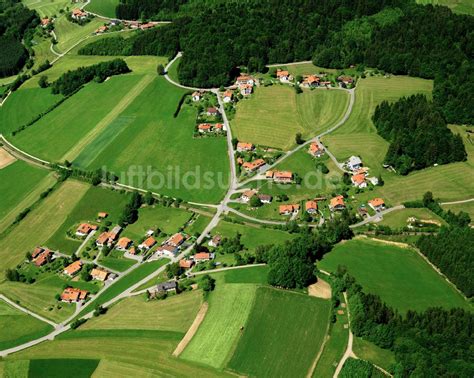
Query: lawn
176, 313
17, 328
157, 151
104, 8
229, 308
398, 218
125, 282
457, 6
117, 264
272, 116
400, 276
20, 186
168, 219
94, 201
44, 220
280, 324
23, 105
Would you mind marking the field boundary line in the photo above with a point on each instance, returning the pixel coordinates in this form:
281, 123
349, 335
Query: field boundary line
321, 349
131, 95
26, 311
192, 330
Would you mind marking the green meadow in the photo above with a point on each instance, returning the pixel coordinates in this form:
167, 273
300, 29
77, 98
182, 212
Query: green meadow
467, 207
457, 6
118, 264
280, 324
104, 8
58, 367
69, 33
272, 116
48, 8
402, 278
17, 328
398, 219
370, 352
20, 186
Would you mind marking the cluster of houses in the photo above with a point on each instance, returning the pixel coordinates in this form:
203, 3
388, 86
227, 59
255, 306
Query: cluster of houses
251, 166
41, 256
360, 173
280, 177
140, 25
171, 246
245, 84
311, 207
78, 14
207, 128
248, 194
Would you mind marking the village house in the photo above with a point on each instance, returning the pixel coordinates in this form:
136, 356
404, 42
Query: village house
337, 203
71, 294
147, 244
245, 79
102, 240
311, 207
45, 22
212, 112
311, 81
101, 29
218, 127
345, 80
315, 149
228, 95
377, 204
186, 264
78, 14
204, 128
114, 234
43, 258
363, 212
99, 274
246, 89
359, 181
123, 244
354, 163
72, 269
265, 198
203, 256
247, 195
36, 252
132, 251
245, 147
167, 286
289, 209
254, 165
102, 215
167, 250
215, 241
283, 177
283, 76
85, 229
176, 240
196, 96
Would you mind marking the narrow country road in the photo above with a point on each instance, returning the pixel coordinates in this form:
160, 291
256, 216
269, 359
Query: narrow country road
377, 217
457, 202
348, 353
26, 311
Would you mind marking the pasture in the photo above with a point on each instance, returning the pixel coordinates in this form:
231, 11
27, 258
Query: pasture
20, 186
45, 220
95, 200
373, 353
280, 324
305, 69
398, 219
467, 207
48, 8
69, 33
16, 327
176, 313
104, 8
229, 308
272, 116
117, 264
402, 278
57, 367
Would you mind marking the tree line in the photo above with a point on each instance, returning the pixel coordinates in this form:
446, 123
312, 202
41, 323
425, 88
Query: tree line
418, 134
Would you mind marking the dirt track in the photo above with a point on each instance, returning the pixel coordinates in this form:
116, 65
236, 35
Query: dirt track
320, 289
5, 158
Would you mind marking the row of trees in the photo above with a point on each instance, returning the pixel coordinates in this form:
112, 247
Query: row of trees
436, 342
71, 81
418, 134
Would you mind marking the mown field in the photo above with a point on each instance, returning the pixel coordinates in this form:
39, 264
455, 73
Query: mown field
20, 186
16, 327
281, 324
370, 352
467, 207
272, 116
457, 6
398, 219
48, 8
399, 275
104, 8
45, 220
69, 33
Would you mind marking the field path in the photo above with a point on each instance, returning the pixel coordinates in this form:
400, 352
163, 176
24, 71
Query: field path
192, 330
348, 353
457, 202
110, 117
26, 311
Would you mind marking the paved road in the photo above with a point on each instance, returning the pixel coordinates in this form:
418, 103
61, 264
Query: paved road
26, 311
377, 217
167, 77
457, 202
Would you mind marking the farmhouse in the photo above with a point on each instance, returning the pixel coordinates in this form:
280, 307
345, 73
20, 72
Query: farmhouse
102, 240
205, 127
45, 22
218, 127
315, 149
72, 269
245, 79
283, 177
167, 286
245, 197
359, 181
246, 89
354, 163
215, 241
311, 81
99, 274
113, 235
72, 294
147, 244
176, 240
244, 147
166, 250
78, 14
254, 165
123, 244
212, 112
289, 209
85, 229
186, 264
228, 95
377, 204
337, 203
101, 29
196, 96
44, 258
283, 76
345, 80
311, 207
37, 251
265, 198
203, 256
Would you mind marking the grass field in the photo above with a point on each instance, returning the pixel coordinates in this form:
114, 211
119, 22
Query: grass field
104, 8
23, 105
198, 226
229, 308
95, 200
48, 8
467, 207
169, 161
399, 275
44, 220
457, 6
20, 186
273, 115
398, 219
82, 368
16, 327
173, 71
370, 352
176, 313
69, 33
252, 275
281, 324
305, 69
